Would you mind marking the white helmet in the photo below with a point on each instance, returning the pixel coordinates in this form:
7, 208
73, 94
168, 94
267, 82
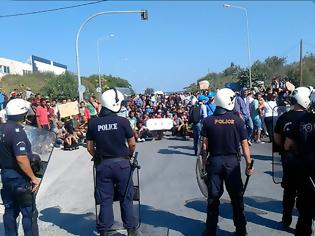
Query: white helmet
16, 109
301, 96
112, 99
225, 98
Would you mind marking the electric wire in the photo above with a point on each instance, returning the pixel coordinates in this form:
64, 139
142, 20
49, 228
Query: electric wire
51, 10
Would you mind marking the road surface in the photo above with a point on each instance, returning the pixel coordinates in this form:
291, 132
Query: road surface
171, 203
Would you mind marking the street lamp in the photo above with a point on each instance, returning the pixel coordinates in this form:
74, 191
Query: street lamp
144, 16
98, 58
248, 44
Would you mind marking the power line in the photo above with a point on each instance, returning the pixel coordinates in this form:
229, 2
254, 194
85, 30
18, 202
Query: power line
51, 10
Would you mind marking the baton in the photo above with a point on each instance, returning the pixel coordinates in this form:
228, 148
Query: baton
134, 165
247, 176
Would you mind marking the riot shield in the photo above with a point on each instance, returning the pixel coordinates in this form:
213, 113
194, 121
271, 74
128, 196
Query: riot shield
201, 175
277, 171
42, 142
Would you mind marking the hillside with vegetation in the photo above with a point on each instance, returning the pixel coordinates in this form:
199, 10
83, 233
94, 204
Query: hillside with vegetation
272, 67
62, 86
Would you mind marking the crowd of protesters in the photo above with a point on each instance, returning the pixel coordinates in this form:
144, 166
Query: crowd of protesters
255, 107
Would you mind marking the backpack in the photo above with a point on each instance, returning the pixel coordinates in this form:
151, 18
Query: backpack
195, 115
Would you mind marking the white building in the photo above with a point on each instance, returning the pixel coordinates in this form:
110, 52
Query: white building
35, 64
8, 66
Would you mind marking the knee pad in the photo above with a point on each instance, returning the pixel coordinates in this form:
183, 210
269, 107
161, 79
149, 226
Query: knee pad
24, 197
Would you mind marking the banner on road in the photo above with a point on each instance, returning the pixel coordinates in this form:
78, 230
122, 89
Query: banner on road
159, 124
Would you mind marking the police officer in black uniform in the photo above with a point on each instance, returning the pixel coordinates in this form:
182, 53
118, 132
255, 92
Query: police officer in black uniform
223, 133
301, 140
18, 179
106, 142
299, 99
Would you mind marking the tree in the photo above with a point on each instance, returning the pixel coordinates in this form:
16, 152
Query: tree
148, 91
62, 87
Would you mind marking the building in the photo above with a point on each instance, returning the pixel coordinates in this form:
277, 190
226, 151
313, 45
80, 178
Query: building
34, 64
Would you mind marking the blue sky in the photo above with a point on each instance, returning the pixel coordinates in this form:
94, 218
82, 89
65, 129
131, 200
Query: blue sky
179, 43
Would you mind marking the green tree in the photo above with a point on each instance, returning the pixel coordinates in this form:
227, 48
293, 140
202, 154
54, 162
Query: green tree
62, 87
148, 91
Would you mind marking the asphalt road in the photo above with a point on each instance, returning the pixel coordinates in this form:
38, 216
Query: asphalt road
171, 203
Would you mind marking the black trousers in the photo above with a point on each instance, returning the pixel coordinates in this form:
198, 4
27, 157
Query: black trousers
225, 169
269, 126
290, 186
305, 205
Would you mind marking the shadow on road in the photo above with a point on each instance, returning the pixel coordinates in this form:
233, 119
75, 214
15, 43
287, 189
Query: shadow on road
269, 173
182, 147
172, 151
252, 214
184, 225
262, 157
77, 224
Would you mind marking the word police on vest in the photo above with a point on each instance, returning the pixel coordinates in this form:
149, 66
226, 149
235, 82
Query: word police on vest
107, 127
224, 122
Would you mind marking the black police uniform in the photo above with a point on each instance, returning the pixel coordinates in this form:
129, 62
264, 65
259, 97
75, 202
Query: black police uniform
289, 160
303, 134
109, 134
224, 133
16, 195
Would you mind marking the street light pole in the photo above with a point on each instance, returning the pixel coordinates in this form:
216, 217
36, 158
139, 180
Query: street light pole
144, 16
98, 58
248, 42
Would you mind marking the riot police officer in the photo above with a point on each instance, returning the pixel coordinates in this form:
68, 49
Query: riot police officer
300, 100
223, 133
19, 181
106, 142
300, 140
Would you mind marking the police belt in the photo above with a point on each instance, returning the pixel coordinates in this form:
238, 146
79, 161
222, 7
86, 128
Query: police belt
224, 155
100, 158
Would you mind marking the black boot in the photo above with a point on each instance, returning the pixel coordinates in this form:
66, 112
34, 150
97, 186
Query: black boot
241, 231
132, 232
208, 232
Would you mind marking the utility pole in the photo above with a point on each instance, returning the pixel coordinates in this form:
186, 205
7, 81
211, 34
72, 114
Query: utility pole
301, 62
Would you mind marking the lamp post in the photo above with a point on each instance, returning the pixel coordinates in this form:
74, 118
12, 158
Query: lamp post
144, 16
248, 44
98, 58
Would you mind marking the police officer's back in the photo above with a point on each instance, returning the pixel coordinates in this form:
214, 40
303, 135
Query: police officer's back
300, 140
18, 179
223, 133
107, 136
290, 161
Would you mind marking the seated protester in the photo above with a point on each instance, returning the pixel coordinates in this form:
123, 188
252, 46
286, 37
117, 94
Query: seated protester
133, 124
145, 117
60, 134
143, 132
148, 109
159, 114
79, 128
168, 115
71, 141
179, 125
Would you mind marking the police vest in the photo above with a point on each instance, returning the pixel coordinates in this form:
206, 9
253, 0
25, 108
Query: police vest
7, 159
